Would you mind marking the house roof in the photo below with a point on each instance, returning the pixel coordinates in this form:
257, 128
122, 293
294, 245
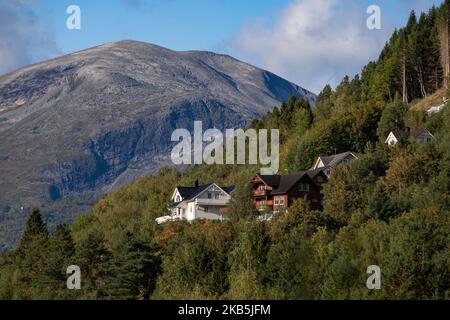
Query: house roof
417, 133
411, 134
313, 173
270, 180
189, 193
329, 161
400, 134
282, 184
229, 189
287, 182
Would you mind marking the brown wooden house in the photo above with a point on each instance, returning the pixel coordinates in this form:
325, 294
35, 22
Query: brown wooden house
278, 192
263, 186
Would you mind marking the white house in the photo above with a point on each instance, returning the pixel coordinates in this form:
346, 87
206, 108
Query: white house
326, 163
208, 201
422, 135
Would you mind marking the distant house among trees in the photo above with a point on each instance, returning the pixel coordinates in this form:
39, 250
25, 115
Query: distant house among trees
208, 201
438, 108
276, 192
422, 135
327, 163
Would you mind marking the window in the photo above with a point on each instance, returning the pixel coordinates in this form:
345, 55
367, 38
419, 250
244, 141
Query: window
279, 201
216, 196
209, 196
304, 187
263, 202
206, 209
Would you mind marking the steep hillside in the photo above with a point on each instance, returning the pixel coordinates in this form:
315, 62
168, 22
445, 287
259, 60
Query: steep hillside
81, 125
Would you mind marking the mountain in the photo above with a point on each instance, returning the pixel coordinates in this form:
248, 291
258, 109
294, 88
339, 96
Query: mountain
76, 127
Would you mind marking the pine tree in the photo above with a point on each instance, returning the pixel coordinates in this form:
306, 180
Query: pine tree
31, 255
93, 257
241, 204
133, 269
61, 252
404, 66
444, 34
34, 228
392, 119
379, 206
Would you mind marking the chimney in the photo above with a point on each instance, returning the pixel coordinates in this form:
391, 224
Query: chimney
196, 183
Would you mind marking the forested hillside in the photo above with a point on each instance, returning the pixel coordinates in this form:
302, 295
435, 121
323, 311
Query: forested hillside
390, 208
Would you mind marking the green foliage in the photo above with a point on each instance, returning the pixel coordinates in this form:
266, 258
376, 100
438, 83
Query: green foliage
51, 283
194, 260
390, 207
133, 268
92, 257
241, 206
380, 206
392, 119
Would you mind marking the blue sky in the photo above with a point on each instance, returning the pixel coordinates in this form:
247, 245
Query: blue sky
310, 42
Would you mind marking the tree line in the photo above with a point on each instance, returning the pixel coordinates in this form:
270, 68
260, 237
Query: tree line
390, 207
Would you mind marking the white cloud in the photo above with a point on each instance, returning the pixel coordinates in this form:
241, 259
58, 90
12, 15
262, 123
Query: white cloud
23, 39
313, 42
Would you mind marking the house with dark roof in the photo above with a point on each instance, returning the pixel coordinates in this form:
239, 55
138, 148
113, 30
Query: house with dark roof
327, 163
208, 201
421, 135
276, 192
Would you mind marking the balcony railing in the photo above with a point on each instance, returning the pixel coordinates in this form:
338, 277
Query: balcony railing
212, 202
259, 192
202, 214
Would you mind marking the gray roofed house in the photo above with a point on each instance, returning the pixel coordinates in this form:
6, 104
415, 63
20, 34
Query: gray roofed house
422, 135
326, 163
208, 201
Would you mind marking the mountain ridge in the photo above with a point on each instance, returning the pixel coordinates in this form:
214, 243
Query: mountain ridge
76, 127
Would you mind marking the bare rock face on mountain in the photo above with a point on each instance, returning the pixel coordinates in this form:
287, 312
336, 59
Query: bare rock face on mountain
76, 127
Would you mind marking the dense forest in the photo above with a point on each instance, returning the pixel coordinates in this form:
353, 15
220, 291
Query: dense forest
390, 208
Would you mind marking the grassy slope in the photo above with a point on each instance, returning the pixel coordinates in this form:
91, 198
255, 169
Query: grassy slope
433, 100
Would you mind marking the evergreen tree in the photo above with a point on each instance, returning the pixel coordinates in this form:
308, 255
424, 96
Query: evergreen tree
34, 229
379, 206
133, 268
241, 205
92, 256
392, 119
61, 254
31, 255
